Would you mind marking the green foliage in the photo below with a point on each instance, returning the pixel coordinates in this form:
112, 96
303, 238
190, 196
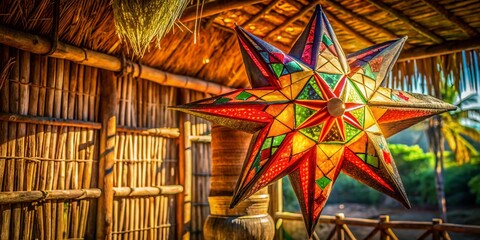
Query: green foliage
474, 185
416, 168
457, 189
349, 190
290, 202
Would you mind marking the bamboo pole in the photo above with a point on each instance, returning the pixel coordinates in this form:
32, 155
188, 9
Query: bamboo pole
156, 132
215, 7
35, 196
338, 226
18, 150
60, 122
4, 148
39, 45
147, 191
439, 49
201, 139
24, 142
107, 158
41, 146
65, 122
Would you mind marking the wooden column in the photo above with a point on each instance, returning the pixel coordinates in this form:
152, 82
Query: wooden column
184, 199
107, 153
249, 220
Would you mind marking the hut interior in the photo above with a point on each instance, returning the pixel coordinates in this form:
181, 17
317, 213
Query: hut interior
88, 148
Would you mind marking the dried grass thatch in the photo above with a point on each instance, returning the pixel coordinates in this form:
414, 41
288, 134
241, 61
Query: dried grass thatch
90, 24
138, 22
430, 75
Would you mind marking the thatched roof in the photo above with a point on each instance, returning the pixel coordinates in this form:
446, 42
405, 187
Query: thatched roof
216, 57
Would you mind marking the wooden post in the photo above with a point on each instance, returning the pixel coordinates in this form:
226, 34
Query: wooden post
338, 226
435, 232
249, 219
107, 154
383, 231
184, 199
276, 205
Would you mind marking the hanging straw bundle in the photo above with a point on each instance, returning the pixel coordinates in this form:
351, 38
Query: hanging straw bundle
139, 21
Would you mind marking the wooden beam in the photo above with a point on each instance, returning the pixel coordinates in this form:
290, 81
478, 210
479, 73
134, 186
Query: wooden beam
348, 29
212, 8
39, 45
472, 32
360, 18
416, 26
260, 14
439, 49
292, 19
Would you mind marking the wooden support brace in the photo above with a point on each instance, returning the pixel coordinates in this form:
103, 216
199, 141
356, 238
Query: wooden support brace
470, 31
361, 19
260, 14
439, 49
292, 19
345, 27
417, 27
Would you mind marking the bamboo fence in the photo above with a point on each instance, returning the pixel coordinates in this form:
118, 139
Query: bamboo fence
51, 175
201, 169
144, 159
48, 168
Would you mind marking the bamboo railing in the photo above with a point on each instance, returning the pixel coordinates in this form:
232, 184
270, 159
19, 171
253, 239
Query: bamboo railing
382, 228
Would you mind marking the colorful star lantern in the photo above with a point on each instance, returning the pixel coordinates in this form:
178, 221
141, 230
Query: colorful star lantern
314, 113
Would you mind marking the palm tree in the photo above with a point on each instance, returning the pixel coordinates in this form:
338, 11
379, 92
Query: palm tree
447, 77
455, 129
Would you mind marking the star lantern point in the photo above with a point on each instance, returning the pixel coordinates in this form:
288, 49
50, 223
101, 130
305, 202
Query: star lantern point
315, 112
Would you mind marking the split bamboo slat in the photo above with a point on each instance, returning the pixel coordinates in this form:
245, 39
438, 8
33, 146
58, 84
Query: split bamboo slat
48, 148
145, 161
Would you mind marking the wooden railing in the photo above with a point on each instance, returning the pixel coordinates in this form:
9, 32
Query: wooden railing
381, 227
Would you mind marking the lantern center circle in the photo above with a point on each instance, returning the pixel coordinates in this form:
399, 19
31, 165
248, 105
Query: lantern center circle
336, 107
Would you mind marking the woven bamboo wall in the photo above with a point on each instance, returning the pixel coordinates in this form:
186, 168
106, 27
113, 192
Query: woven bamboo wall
144, 160
48, 157
49, 140
201, 170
